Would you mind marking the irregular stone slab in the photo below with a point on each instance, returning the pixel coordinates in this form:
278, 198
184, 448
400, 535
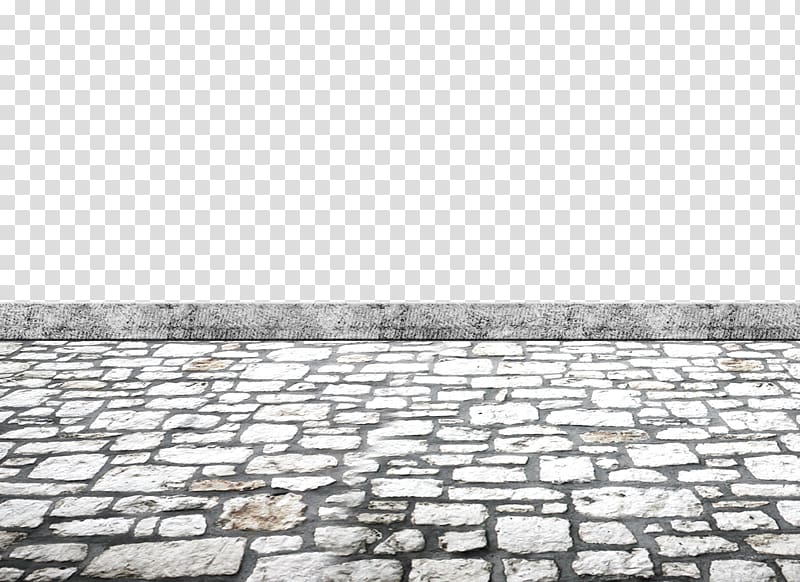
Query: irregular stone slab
401, 542
518, 570
739, 570
295, 412
790, 569
682, 546
748, 420
143, 478
566, 469
276, 544
345, 541
606, 532
612, 502
263, 512
106, 526
299, 354
153, 560
774, 467
490, 474
683, 350
425, 570
69, 467
155, 504
576, 417
463, 367
364, 571
452, 514
641, 475
407, 487
790, 511
23, 512
51, 552
189, 455
745, 520
25, 398
783, 544
614, 436
507, 413
273, 371
614, 563
176, 350
226, 485
268, 433
737, 448
127, 420
498, 349
486, 493
543, 444
462, 541
658, 362
530, 534
305, 567
531, 368
330, 442
301, 483
290, 463
661, 455
50, 575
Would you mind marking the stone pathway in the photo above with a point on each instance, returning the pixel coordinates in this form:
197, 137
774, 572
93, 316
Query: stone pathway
399, 461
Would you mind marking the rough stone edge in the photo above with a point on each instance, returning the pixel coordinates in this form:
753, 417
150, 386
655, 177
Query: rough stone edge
399, 321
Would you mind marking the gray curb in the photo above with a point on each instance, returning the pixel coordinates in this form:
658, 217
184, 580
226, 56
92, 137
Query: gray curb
400, 321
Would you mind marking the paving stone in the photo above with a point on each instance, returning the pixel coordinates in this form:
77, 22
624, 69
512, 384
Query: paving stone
304, 567
407, 487
345, 540
449, 514
106, 526
577, 417
135, 504
462, 541
614, 563
51, 552
428, 570
518, 570
683, 546
182, 526
262, 512
605, 532
566, 469
153, 560
738, 570
637, 502
143, 478
276, 544
24, 513
69, 467
290, 463
744, 520
401, 542
528, 534
783, 544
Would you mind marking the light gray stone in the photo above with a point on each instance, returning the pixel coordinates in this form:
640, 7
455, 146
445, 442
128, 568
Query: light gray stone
136, 504
451, 514
294, 412
614, 563
211, 455
290, 463
744, 520
566, 469
153, 560
532, 444
756, 421
345, 541
299, 354
106, 526
274, 371
774, 467
364, 571
612, 502
576, 417
25, 513
531, 534
401, 542
683, 546
182, 526
427, 570
462, 541
276, 544
518, 570
530, 368
143, 478
268, 433
69, 467
51, 552
661, 455
406, 487
784, 544
490, 474
127, 420
739, 570
606, 532
507, 414
305, 567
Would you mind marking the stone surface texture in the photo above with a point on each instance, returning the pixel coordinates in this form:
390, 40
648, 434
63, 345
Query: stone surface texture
398, 461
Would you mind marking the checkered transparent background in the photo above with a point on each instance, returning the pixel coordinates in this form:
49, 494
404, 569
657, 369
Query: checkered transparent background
398, 151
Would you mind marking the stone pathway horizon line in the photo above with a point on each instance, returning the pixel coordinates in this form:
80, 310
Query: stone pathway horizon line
399, 461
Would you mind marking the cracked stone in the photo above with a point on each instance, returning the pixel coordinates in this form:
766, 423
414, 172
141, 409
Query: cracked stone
401, 542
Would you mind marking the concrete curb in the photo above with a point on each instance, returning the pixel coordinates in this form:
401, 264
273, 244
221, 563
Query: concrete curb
400, 321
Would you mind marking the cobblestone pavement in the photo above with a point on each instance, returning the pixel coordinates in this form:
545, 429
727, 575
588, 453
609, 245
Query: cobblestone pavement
393, 461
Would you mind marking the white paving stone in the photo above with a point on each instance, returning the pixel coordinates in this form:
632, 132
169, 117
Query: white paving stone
614, 563
739, 570
463, 570
69, 467
661, 455
605, 532
566, 469
519, 570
